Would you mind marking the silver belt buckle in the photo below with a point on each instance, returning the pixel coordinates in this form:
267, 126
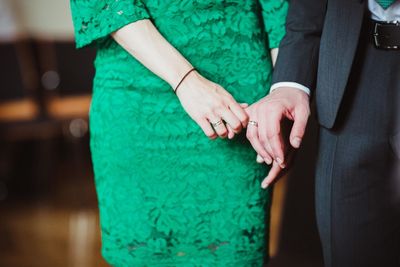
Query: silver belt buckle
376, 41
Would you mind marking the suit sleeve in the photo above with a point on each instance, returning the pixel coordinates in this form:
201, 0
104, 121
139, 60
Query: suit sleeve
274, 16
299, 49
95, 20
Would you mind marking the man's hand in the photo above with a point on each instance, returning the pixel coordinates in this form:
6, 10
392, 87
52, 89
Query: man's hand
265, 132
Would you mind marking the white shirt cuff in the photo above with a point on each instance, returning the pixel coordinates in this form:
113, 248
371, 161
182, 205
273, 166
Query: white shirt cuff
291, 84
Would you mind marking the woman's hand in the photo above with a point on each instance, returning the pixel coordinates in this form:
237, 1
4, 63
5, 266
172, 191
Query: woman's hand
211, 107
206, 102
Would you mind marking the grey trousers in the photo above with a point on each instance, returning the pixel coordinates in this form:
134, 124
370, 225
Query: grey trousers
358, 178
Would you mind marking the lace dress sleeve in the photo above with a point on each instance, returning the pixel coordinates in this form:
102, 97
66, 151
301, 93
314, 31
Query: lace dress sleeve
274, 15
94, 20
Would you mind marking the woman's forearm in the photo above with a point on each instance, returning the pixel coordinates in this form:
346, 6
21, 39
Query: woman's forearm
144, 42
206, 102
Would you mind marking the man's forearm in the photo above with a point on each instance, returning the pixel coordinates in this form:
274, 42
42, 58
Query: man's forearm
298, 52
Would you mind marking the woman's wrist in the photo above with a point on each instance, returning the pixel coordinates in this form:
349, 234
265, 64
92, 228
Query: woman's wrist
193, 80
183, 79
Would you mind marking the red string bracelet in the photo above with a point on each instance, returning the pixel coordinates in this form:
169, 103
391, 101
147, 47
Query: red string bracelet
184, 77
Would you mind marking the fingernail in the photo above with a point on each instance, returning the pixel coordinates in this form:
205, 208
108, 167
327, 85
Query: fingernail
264, 185
296, 141
268, 161
280, 162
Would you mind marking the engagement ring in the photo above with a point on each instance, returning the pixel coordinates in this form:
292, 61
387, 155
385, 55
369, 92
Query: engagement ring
216, 124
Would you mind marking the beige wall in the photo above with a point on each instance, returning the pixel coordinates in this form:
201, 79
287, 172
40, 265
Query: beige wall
38, 18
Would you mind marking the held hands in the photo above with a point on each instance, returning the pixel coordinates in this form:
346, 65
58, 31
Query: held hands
265, 131
211, 107
218, 114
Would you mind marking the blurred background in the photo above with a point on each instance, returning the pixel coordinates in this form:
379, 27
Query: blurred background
48, 206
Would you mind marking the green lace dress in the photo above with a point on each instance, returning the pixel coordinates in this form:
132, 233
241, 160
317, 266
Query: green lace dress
169, 196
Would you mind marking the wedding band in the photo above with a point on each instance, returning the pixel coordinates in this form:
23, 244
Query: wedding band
216, 124
254, 123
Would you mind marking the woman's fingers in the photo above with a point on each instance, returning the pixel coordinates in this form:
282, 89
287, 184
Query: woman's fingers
225, 117
206, 100
230, 118
231, 132
225, 123
207, 128
239, 112
218, 125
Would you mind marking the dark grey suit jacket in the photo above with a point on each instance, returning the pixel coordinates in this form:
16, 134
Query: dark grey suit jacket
319, 48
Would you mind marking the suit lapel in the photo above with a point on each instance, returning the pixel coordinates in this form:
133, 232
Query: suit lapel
352, 17
338, 48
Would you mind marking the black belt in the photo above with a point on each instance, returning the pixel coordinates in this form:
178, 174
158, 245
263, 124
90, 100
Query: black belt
387, 35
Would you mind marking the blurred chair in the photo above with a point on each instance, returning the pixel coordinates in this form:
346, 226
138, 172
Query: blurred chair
19, 82
20, 109
44, 102
66, 76
66, 79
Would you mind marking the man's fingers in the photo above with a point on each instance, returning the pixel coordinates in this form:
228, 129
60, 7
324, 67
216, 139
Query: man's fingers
259, 159
299, 127
276, 171
268, 148
272, 175
277, 146
270, 157
252, 136
267, 159
271, 129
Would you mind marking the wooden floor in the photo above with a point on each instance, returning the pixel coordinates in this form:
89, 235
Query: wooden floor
52, 223
56, 223
43, 236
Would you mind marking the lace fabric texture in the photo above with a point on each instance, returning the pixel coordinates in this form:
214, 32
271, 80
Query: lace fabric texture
169, 196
